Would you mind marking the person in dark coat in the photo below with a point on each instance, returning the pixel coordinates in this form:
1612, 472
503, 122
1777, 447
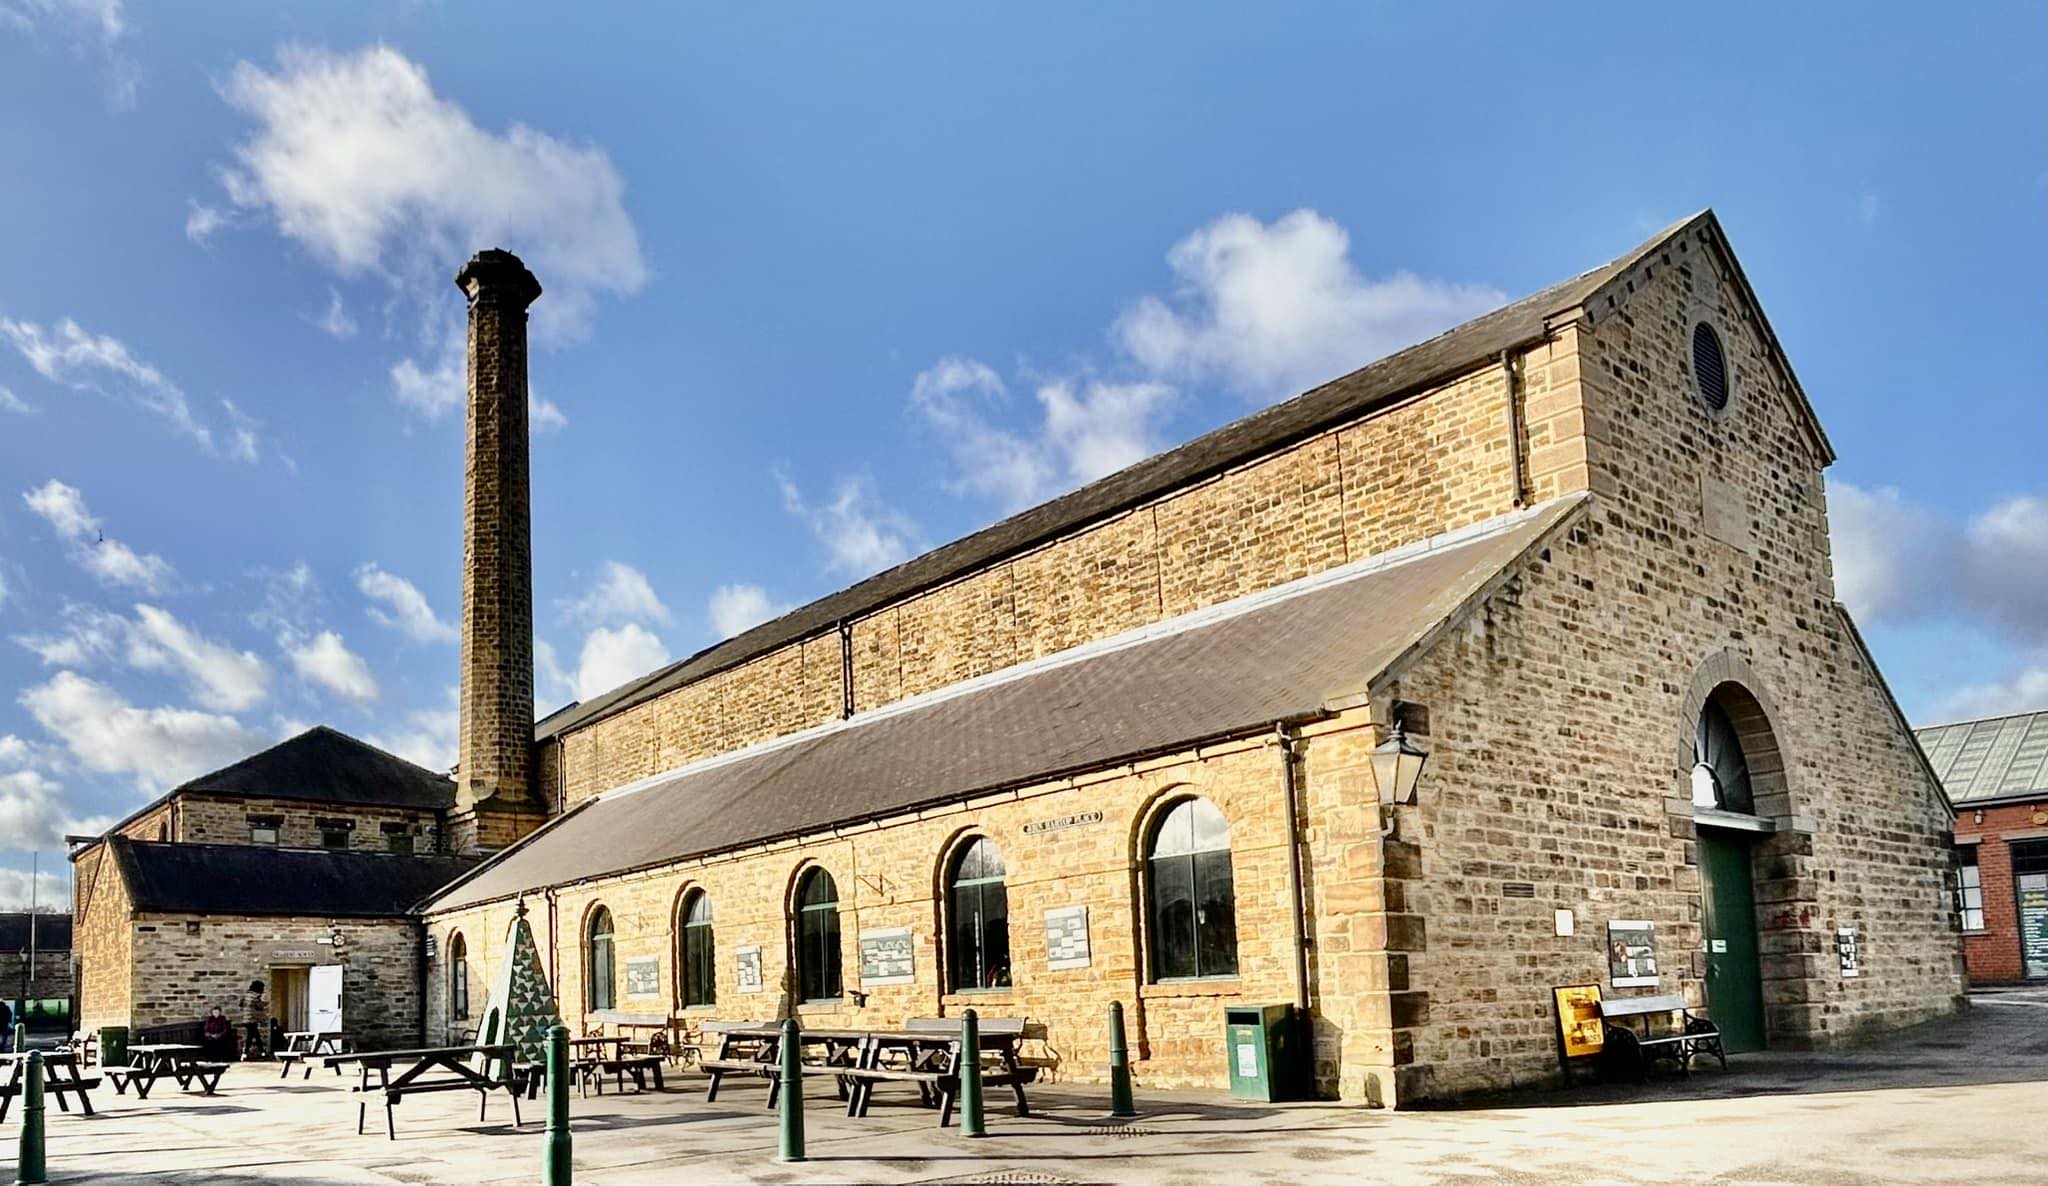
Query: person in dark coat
255, 1022
217, 1036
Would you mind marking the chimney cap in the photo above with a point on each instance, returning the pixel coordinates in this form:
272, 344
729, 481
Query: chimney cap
497, 274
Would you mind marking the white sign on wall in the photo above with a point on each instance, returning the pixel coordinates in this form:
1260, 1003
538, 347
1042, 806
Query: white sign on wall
887, 956
749, 968
643, 977
1066, 937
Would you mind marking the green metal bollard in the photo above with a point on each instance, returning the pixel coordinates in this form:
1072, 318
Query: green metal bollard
792, 1088
972, 1122
555, 1163
1120, 1102
29, 1162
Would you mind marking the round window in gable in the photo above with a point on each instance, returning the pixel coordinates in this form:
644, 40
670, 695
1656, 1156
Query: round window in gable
1709, 367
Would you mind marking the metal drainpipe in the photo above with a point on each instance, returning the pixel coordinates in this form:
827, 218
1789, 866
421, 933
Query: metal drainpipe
1288, 739
424, 927
1515, 475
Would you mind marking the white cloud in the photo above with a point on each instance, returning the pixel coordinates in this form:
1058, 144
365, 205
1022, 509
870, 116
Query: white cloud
542, 416
110, 560
434, 391
612, 656
2025, 690
737, 608
353, 156
70, 355
52, 891
336, 321
324, 659
1898, 562
1088, 429
96, 24
862, 534
429, 737
10, 402
620, 594
1273, 308
554, 685
202, 221
159, 747
217, 675
34, 814
405, 607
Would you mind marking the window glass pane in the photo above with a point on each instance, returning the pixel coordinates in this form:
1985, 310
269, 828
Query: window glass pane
1215, 915
1210, 832
828, 952
995, 932
1176, 834
699, 964
963, 945
818, 890
699, 910
601, 972
1172, 885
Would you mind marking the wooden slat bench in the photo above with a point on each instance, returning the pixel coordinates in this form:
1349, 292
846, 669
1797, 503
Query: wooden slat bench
1687, 1035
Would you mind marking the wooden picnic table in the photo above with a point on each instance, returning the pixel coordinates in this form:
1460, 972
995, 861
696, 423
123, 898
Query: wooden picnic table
150, 1061
931, 1057
419, 1078
60, 1080
304, 1047
755, 1049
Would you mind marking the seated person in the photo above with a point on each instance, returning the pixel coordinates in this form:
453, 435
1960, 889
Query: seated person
217, 1036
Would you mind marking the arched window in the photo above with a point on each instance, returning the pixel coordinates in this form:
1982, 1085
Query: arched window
817, 937
979, 924
1720, 773
699, 960
603, 968
458, 976
1190, 902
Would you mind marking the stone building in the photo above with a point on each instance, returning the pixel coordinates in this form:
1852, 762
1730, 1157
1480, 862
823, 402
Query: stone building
1120, 747
1996, 773
306, 855
35, 961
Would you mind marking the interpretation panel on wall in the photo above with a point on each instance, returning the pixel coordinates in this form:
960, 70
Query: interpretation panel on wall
1632, 953
887, 957
1066, 937
643, 976
749, 961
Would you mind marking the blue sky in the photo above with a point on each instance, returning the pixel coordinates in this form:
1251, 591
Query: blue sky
830, 285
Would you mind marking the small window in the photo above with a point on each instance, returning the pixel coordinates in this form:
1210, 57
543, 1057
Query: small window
334, 833
699, 962
398, 838
603, 968
817, 937
1969, 888
1191, 900
458, 977
263, 829
1709, 367
978, 953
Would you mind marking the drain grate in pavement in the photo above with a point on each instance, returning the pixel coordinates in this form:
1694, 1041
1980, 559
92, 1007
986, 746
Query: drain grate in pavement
1006, 1178
1120, 1130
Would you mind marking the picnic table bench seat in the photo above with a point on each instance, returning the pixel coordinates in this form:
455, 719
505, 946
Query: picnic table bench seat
54, 1087
452, 1061
1691, 1034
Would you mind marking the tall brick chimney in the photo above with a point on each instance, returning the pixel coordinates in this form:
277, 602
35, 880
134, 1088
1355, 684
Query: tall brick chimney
495, 799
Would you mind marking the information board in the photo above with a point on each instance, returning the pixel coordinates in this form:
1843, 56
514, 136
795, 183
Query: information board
1579, 1028
1848, 952
643, 976
1066, 937
1632, 953
887, 957
749, 960
2033, 890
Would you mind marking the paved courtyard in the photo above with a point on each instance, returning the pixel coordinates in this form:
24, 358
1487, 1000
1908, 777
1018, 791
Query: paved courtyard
1954, 1101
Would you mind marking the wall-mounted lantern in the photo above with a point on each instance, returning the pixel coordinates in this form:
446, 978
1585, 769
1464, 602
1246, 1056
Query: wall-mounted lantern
1397, 767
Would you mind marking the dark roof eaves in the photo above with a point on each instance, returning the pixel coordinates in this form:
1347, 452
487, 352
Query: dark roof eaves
1133, 486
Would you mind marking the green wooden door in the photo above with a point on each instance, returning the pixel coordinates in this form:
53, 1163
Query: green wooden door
1735, 988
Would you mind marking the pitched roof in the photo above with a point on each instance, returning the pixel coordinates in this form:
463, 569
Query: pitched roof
1229, 670
1996, 758
257, 880
1476, 343
325, 765
53, 932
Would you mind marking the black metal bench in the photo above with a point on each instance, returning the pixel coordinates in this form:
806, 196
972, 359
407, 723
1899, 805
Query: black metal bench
1686, 1037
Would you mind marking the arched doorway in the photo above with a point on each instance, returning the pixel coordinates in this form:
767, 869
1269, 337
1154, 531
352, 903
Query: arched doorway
1730, 734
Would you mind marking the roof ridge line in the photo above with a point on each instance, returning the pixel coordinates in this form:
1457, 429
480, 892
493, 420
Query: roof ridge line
1192, 620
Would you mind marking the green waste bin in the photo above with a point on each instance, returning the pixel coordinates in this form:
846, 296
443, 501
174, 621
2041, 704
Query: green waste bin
113, 1045
1259, 1041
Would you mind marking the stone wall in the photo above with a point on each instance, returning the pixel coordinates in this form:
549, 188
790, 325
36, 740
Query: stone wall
103, 957
186, 964
1993, 954
204, 820
49, 978
1428, 465
1562, 718
890, 874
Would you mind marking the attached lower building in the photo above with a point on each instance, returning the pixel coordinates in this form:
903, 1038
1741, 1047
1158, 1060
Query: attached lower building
1996, 773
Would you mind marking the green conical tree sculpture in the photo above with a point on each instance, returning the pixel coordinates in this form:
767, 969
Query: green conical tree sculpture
522, 1006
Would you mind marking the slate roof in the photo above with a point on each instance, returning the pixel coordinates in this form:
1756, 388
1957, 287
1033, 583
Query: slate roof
325, 765
1996, 758
257, 880
1225, 671
1456, 352
53, 933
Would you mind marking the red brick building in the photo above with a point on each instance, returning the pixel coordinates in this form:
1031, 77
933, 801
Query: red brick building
1996, 772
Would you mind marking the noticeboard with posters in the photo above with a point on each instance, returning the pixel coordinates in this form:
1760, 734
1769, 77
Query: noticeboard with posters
1580, 1030
1632, 953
